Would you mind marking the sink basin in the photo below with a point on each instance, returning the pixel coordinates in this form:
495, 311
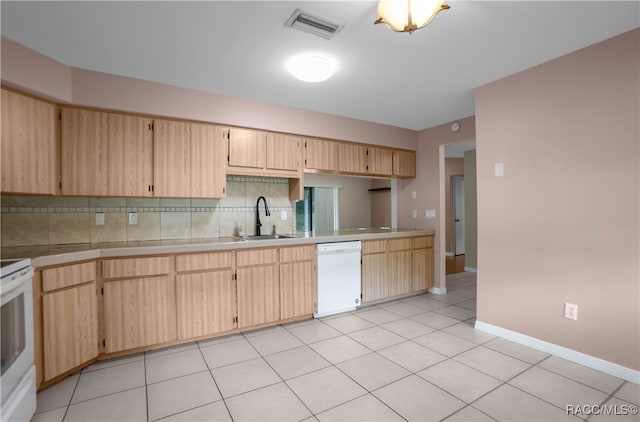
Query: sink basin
267, 237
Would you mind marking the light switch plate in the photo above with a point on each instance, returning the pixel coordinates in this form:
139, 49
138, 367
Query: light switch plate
414, 213
499, 169
99, 219
431, 214
283, 215
413, 194
133, 218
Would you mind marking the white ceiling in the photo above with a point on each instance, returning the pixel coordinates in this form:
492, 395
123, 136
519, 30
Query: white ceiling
239, 48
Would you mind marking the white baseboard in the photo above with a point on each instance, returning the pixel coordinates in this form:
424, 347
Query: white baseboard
470, 270
592, 362
438, 290
449, 254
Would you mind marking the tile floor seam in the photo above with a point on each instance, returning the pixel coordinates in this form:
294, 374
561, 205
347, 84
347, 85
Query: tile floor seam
146, 390
539, 398
178, 376
107, 395
577, 381
286, 384
214, 383
183, 411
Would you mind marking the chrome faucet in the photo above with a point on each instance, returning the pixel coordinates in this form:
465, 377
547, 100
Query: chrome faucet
266, 212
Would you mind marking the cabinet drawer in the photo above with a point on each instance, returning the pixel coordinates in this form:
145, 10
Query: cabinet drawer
70, 275
422, 242
256, 257
399, 244
374, 246
205, 261
298, 253
135, 267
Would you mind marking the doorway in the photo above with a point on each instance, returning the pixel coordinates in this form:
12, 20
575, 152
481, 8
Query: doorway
457, 195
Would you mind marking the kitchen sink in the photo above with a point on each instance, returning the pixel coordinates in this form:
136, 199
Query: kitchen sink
266, 237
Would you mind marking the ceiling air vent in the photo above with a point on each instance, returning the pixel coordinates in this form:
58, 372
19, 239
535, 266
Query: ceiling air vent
313, 24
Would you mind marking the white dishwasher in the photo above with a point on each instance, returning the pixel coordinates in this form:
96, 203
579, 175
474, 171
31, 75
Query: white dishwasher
338, 277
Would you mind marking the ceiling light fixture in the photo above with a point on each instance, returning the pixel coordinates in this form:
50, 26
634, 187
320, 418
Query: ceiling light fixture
312, 67
408, 15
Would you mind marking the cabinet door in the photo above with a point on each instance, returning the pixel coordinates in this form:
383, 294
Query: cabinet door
375, 276
404, 164
208, 161
70, 329
297, 289
139, 312
351, 158
422, 269
258, 295
321, 154
247, 148
84, 152
130, 155
29, 151
171, 159
284, 152
206, 303
379, 161
399, 272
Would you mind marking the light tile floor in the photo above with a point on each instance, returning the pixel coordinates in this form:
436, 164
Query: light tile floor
414, 359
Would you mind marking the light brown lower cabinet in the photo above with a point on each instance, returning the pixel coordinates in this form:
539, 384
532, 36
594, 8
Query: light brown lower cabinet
258, 295
70, 329
69, 318
297, 281
395, 267
139, 312
206, 303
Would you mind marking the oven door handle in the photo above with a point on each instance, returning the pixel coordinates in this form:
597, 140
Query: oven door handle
18, 280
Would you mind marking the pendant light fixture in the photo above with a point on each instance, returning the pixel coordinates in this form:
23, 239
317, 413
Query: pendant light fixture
408, 15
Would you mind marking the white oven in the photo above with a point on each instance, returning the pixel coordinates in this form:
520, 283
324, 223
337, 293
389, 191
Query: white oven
17, 376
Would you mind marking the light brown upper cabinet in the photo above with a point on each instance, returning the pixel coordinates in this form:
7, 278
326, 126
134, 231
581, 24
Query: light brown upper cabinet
256, 153
247, 148
208, 161
321, 154
352, 158
105, 154
404, 164
29, 145
379, 161
284, 152
188, 160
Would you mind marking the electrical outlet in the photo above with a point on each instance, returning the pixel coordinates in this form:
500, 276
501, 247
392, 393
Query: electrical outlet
283, 215
133, 218
414, 213
571, 311
99, 219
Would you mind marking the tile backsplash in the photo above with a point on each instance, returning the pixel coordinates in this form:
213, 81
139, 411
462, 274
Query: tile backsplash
44, 220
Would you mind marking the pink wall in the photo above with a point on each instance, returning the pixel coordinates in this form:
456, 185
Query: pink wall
563, 223
429, 186
28, 70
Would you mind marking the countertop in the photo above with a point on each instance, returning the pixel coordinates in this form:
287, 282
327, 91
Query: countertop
44, 256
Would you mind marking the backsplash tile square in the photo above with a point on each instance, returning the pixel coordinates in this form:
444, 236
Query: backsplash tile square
69, 227
25, 229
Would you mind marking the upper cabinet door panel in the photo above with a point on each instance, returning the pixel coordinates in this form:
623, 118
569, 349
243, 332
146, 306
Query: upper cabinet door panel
84, 152
29, 145
130, 155
171, 159
379, 161
247, 148
351, 158
284, 152
106, 154
208, 161
321, 154
404, 164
